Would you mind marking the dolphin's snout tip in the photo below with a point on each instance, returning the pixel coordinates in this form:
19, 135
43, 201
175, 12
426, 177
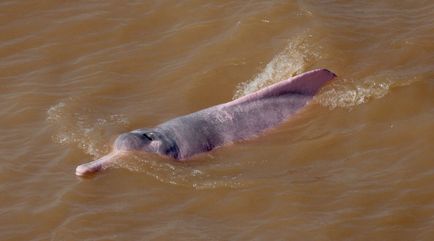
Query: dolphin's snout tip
95, 166
80, 170
85, 169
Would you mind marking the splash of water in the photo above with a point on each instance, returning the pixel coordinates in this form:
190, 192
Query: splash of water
77, 125
304, 53
290, 62
346, 93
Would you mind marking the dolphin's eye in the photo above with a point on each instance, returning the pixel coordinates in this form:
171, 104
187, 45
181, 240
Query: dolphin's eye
149, 136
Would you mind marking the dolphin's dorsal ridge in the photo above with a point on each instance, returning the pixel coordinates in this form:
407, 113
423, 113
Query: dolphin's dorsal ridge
304, 84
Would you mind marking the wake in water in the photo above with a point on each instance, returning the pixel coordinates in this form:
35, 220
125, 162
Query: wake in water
199, 174
347, 93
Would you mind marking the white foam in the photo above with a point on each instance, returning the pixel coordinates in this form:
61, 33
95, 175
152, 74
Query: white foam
76, 125
290, 62
345, 93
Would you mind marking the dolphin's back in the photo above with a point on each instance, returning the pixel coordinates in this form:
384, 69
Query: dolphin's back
245, 117
304, 84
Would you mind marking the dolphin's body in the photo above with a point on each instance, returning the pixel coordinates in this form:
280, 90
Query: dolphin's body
202, 131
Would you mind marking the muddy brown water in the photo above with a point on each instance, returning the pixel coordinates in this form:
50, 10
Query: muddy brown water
356, 164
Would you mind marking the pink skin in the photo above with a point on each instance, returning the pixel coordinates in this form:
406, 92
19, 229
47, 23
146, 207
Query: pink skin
97, 165
240, 119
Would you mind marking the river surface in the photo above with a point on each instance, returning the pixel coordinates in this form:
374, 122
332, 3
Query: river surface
357, 163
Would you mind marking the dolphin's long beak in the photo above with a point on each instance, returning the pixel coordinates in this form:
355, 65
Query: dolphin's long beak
97, 165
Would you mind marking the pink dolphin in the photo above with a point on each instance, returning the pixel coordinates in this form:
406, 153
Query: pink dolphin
204, 130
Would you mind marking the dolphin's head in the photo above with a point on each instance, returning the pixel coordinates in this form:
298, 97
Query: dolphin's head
147, 140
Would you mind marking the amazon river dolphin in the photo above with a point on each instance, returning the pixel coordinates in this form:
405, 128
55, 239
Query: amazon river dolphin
240, 119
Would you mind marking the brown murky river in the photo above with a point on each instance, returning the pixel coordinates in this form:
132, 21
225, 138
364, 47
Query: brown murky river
356, 164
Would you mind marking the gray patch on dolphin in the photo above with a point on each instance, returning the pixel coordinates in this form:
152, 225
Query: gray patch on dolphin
201, 131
